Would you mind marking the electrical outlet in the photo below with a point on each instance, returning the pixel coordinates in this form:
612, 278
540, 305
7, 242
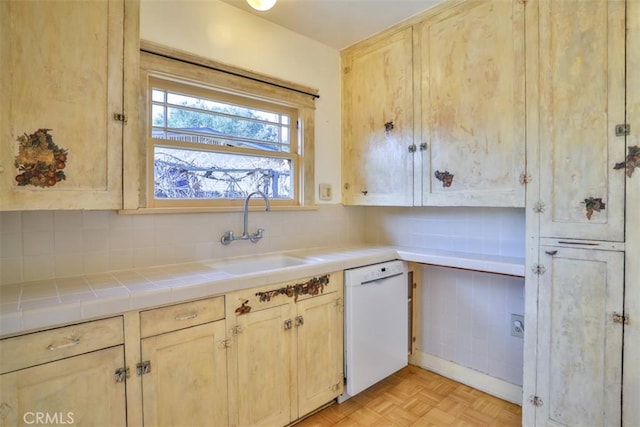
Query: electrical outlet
517, 325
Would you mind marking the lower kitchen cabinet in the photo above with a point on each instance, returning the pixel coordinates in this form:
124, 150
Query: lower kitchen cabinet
184, 366
186, 383
70, 375
319, 351
580, 335
286, 350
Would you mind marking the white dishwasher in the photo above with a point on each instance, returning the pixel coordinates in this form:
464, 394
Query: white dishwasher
376, 324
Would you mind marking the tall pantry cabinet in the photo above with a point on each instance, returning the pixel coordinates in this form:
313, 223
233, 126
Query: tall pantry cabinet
579, 305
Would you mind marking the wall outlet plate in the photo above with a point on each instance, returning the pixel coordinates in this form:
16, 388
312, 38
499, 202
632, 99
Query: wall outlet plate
517, 325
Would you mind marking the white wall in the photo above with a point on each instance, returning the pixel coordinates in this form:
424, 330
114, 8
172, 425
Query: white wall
224, 33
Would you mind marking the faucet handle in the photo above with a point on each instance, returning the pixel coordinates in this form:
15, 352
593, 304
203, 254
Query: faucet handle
257, 235
227, 238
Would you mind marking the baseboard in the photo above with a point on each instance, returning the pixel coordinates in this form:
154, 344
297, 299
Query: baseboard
472, 378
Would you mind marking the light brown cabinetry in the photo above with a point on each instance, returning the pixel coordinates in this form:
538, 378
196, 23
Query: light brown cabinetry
580, 101
66, 67
378, 127
69, 375
286, 350
579, 357
577, 298
184, 364
433, 113
470, 72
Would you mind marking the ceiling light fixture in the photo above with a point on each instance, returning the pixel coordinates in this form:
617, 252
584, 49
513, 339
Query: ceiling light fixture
261, 5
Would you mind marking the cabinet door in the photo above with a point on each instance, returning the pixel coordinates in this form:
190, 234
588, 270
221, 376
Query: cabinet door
80, 390
61, 70
579, 365
472, 106
378, 122
263, 355
581, 89
320, 374
187, 383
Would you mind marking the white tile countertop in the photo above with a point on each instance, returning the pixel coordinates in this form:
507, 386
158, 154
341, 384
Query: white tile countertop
45, 303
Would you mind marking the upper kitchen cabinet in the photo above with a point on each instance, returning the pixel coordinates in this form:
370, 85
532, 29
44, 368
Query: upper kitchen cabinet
470, 68
578, 113
67, 80
434, 112
378, 122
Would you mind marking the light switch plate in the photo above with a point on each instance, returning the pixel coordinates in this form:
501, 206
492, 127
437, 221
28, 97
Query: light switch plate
325, 192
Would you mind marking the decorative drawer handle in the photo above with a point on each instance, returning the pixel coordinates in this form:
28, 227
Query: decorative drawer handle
71, 343
445, 177
186, 316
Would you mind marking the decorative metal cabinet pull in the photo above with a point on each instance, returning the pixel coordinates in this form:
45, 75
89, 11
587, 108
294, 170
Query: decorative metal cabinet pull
143, 368
388, 127
121, 374
552, 253
445, 177
70, 343
592, 205
288, 324
299, 321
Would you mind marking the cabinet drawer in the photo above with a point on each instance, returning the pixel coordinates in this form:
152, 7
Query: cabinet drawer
41, 347
254, 299
167, 319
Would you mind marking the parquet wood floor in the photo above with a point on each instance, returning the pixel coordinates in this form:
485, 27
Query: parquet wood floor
416, 397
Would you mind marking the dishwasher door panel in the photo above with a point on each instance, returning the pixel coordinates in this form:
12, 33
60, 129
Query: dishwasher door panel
376, 331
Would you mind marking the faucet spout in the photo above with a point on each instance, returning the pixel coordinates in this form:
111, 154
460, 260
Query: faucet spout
245, 233
229, 237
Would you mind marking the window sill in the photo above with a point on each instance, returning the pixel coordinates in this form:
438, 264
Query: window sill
182, 210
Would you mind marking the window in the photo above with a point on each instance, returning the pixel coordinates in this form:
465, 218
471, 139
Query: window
210, 145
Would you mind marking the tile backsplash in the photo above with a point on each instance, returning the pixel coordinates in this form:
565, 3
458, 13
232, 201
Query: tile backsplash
36, 245
494, 231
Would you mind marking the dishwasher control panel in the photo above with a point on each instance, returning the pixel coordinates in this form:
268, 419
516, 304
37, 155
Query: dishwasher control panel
378, 271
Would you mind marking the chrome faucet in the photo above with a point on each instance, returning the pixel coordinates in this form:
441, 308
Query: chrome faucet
229, 237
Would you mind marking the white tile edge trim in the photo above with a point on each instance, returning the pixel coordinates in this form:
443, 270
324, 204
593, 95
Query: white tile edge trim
483, 382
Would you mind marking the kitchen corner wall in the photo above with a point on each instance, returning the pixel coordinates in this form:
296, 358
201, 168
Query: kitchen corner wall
464, 316
40, 245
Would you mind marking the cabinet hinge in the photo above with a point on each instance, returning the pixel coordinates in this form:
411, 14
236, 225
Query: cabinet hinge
236, 329
621, 318
121, 374
539, 207
225, 343
339, 305
143, 368
120, 117
525, 178
535, 401
538, 269
623, 130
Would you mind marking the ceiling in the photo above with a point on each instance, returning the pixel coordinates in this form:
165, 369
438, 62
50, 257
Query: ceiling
338, 23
